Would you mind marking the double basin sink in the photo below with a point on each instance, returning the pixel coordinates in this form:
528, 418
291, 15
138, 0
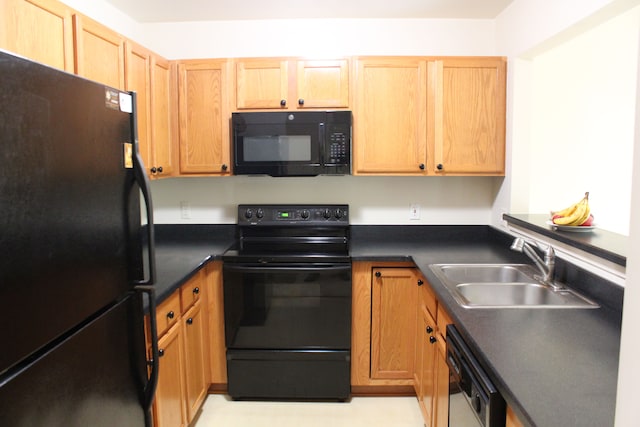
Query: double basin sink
505, 286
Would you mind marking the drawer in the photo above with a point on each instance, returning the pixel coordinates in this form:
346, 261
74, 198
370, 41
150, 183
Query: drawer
191, 291
168, 312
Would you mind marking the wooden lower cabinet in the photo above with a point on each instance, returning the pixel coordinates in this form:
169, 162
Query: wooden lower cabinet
426, 368
383, 330
196, 385
184, 353
441, 395
169, 409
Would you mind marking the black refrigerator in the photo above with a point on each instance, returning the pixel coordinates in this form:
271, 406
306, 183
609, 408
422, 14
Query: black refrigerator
76, 253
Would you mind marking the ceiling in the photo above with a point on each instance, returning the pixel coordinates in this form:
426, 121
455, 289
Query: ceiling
223, 10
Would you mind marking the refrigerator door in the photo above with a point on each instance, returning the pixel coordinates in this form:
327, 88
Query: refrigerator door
70, 223
93, 378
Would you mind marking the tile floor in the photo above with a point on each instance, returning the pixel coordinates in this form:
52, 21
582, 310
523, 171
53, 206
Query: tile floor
220, 411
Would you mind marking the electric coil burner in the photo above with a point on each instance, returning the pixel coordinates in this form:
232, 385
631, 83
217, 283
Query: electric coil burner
287, 298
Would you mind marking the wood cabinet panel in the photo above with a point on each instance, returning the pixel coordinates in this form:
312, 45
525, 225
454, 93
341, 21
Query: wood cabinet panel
196, 386
427, 367
215, 334
161, 120
168, 313
169, 409
138, 79
41, 30
390, 116
204, 119
322, 84
470, 104
392, 325
99, 53
262, 84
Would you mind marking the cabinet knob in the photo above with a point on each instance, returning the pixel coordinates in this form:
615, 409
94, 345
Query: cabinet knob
301, 101
378, 274
224, 167
159, 169
196, 290
154, 170
283, 102
429, 329
439, 166
421, 166
161, 352
171, 314
420, 282
432, 339
190, 321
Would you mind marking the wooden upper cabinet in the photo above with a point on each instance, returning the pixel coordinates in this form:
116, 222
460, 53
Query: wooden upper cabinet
322, 84
390, 116
469, 105
262, 83
282, 83
204, 117
161, 135
99, 53
138, 79
38, 29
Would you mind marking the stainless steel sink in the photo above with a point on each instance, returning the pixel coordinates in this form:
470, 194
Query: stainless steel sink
504, 285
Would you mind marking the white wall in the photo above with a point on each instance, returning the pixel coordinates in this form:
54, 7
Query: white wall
373, 200
582, 122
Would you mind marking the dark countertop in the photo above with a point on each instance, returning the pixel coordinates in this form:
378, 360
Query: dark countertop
182, 250
554, 367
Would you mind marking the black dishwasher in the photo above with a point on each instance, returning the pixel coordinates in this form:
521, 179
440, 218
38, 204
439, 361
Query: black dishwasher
473, 399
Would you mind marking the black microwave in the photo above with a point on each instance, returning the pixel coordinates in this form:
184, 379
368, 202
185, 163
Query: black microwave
305, 143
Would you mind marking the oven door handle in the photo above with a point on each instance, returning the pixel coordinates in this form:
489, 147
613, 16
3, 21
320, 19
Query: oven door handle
289, 267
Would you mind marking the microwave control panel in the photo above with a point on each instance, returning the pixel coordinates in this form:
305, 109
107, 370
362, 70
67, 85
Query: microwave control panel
338, 144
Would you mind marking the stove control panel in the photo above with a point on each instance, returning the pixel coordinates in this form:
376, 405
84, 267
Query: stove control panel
293, 215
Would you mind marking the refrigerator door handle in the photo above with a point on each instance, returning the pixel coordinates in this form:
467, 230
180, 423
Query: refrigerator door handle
152, 384
143, 182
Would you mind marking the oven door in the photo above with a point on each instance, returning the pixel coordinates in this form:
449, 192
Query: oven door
294, 306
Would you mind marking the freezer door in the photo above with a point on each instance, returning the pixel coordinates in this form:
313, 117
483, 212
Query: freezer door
94, 378
70, 221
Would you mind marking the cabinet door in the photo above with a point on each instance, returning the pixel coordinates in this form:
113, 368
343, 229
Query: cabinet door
217, 349
323, 84
441, 395
392, 325
204, 120
390, 119
428, 365
137, 78
196, 386
169, 410
38, 29
262, 83
470, 103
161, 116
99, 52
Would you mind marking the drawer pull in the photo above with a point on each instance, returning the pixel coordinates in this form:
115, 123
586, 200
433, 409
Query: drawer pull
161, 352
190, 321
196, 290
420, 282
171, 314
429, 329
432, 339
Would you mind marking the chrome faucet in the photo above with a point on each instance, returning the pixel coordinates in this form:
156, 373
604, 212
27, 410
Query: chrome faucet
546, 267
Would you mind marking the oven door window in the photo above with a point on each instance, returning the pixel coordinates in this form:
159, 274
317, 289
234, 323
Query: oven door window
268, 307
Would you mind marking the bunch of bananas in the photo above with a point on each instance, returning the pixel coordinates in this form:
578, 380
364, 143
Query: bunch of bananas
576, 215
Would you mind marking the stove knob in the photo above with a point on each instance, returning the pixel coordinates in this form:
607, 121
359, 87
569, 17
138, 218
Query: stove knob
338, 213
326, 214
304, 214
260, 213
248, 213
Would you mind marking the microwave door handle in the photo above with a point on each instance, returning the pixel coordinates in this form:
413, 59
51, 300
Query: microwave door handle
322, 144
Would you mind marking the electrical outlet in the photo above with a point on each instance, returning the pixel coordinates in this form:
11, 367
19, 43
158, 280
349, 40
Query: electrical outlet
414, 212
185, 210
